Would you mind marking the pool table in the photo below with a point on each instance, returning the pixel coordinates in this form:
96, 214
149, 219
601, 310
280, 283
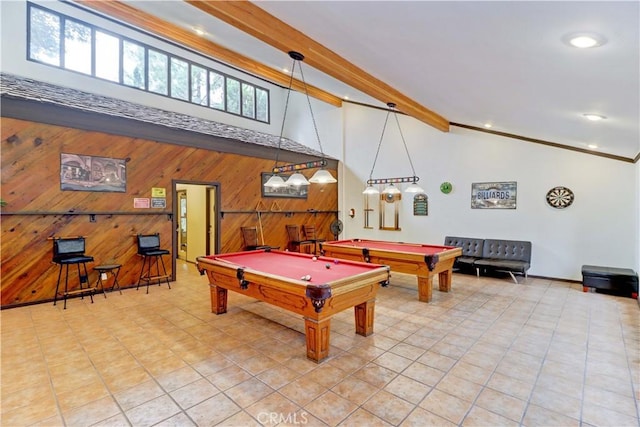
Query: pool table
425, 261
314, 288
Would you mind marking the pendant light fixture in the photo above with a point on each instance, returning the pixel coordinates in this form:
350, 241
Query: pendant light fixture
391, 188
322, 176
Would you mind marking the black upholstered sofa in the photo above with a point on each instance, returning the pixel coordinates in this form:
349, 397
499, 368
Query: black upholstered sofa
483, 255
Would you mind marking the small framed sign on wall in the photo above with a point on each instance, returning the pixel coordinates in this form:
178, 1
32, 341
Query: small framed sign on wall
494, 195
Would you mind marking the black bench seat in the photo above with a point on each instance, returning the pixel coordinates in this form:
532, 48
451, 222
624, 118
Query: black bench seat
623, 280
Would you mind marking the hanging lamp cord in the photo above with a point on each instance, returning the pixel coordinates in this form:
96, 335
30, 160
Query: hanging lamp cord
284, 115
313, 119
379, 145
405, 147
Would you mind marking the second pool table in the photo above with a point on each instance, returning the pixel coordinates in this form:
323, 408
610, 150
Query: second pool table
425, 261
314, 287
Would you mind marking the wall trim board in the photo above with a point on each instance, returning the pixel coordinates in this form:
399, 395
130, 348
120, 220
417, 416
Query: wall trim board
548, 143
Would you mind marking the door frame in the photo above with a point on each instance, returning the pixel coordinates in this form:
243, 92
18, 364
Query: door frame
210, 222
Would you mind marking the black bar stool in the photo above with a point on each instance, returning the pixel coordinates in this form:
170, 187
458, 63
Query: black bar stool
67, 251
149, 249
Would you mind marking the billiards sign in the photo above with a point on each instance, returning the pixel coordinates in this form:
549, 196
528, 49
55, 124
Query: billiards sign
493, 195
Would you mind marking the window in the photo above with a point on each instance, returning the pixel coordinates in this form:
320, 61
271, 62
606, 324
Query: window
199, 93
57, 40
179, 79
158, 72
134, 68
233, 96
77, 47
262, 105
248, 100
216, 90
44, 37
107, 56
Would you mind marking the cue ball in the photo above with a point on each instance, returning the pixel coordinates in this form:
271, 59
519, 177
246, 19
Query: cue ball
315, 258
328, 265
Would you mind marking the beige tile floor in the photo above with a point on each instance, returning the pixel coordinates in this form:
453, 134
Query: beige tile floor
489, 353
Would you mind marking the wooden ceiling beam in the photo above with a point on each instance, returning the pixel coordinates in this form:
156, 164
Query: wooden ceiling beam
255, 21
174, 33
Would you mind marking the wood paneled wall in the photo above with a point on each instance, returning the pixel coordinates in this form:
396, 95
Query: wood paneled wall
36, 208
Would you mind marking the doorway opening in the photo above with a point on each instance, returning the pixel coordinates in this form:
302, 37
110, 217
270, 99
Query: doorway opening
196, 220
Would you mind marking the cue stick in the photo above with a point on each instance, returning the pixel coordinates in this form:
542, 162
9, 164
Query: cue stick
260, 224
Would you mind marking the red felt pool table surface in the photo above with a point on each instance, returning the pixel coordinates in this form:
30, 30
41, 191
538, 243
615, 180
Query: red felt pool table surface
294, 265
423, 260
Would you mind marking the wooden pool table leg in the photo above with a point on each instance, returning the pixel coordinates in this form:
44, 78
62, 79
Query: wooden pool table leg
364, 314
318, 336
425, 288
218, 299
444, 281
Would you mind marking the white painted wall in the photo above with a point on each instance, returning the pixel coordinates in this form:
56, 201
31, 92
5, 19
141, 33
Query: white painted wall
601, 227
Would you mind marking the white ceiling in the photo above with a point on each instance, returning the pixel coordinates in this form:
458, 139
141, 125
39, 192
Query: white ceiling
473, 62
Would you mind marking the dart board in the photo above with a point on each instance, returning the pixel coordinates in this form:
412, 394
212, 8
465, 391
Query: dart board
560, 197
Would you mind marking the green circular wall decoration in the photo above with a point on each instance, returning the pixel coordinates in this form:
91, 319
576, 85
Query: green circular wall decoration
446, 187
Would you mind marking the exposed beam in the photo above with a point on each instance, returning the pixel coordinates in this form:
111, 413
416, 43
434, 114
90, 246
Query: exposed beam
255, 21
174, 33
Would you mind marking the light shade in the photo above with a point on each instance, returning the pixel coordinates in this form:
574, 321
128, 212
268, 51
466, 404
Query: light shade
322, 176
297, 179
414, 188
275, 181
391, 189
371, 190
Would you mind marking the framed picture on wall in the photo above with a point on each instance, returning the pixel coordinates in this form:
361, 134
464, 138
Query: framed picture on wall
90, 173
291, 191
494, 195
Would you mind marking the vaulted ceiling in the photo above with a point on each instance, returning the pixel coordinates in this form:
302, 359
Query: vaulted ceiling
446, 63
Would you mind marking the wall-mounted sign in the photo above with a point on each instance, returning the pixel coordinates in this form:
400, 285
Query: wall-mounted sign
493, 195
420, 205
158, 202
141, 203
158, 192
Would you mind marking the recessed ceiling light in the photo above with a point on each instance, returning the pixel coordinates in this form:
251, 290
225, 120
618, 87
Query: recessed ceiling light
584, 40
488, 125
285, 70
592, 146
593, 117
199, 31
346, 97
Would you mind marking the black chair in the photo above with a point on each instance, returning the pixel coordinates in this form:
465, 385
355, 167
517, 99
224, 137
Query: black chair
67, 251
149, 249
